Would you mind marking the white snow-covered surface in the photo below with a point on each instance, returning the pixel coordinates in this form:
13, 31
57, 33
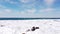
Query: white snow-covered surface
21, 26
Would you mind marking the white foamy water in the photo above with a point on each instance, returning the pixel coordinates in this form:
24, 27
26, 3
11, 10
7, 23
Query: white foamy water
21, 26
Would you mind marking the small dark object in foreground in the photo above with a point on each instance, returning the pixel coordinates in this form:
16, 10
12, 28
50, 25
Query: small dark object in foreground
33, 29
23, 33
2, 25
28, 30
37, 27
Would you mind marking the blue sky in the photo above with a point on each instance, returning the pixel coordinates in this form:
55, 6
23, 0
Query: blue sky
30, 8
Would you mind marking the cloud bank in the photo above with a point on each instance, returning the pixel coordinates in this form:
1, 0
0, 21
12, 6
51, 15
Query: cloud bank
49, 2
27, 8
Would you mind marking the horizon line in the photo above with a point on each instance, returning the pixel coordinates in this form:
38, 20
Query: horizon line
25, 18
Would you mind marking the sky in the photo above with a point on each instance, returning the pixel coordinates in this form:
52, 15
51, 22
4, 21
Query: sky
30, 8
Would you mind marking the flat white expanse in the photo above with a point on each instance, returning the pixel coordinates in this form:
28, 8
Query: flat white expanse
21, 26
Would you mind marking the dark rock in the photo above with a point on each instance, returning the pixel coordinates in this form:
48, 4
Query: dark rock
2, 25
33, 29
23, 33
37, 27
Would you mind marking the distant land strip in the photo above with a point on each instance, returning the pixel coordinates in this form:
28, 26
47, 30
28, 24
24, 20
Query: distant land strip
25, 18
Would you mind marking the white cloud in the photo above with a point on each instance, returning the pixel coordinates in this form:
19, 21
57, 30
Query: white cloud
11, 2
8, 10
31, 10
28, 11
4, 10
47, 10
49, 2
26, 1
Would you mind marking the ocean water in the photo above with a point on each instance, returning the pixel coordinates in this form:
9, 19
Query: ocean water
25, 18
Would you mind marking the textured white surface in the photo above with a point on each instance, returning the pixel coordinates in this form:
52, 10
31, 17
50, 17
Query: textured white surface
4, 30
21, 26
